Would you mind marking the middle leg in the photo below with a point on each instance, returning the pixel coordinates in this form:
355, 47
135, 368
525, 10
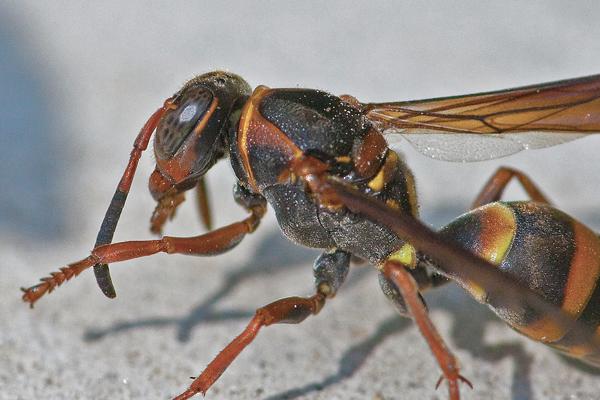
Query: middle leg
330, 271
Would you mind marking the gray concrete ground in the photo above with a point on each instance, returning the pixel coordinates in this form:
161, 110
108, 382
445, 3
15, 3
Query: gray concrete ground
77, 81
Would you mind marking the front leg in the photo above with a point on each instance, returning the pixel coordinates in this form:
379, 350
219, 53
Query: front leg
212, 243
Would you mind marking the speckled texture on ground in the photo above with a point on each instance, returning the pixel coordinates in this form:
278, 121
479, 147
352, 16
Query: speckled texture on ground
79, 78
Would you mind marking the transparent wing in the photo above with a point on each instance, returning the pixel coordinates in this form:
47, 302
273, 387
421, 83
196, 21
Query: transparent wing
494, 124
465, 147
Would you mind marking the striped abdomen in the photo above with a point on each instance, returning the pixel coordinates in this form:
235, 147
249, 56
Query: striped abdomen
549, 252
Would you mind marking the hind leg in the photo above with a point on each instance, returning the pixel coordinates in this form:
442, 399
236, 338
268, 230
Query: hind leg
407, 298
494, 187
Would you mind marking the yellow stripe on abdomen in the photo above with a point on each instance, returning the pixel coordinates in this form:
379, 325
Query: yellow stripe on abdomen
497, 227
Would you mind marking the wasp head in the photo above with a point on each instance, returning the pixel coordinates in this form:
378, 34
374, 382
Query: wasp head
191, 135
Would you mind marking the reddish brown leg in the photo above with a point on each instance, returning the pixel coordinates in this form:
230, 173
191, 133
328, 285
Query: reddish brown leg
410, 292
291, 310
113, 213
493, 189
215, 242
203, 203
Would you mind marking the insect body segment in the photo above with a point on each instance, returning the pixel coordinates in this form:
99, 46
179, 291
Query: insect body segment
547, 251
278, 127
487, 232
191, 136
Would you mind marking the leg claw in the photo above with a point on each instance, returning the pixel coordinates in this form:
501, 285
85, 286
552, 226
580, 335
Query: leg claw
460, 378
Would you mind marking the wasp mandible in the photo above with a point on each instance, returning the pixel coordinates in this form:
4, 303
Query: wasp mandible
324, 166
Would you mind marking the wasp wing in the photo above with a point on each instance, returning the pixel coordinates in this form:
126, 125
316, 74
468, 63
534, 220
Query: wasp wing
463, 266
494, 124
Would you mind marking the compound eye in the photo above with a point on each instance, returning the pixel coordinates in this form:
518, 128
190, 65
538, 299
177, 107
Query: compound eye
176, 125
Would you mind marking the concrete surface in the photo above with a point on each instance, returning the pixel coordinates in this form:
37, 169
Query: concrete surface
78, 80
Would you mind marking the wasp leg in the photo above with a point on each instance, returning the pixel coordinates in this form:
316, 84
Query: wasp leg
215, 242
330, 271
408, 288
494, 187
167, 206
111, 218
291, 310
390, 290
204, 204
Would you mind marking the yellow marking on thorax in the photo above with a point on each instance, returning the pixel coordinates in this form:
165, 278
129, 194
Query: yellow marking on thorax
393, 204
411, 187
245, 120
406, 256
378, 182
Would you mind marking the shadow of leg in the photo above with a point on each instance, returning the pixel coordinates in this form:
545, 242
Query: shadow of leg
352, 360
469, 323
264, 262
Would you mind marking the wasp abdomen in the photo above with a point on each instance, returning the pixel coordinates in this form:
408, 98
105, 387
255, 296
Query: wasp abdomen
545, 250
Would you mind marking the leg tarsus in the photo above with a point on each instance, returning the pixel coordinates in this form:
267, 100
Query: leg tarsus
460, 378
465, 380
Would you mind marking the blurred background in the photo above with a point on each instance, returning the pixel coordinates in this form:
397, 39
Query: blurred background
78, 80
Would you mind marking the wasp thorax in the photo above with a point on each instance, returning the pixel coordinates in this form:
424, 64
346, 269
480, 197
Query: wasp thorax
177, 124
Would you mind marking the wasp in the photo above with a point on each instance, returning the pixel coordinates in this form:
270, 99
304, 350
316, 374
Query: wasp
323, 164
